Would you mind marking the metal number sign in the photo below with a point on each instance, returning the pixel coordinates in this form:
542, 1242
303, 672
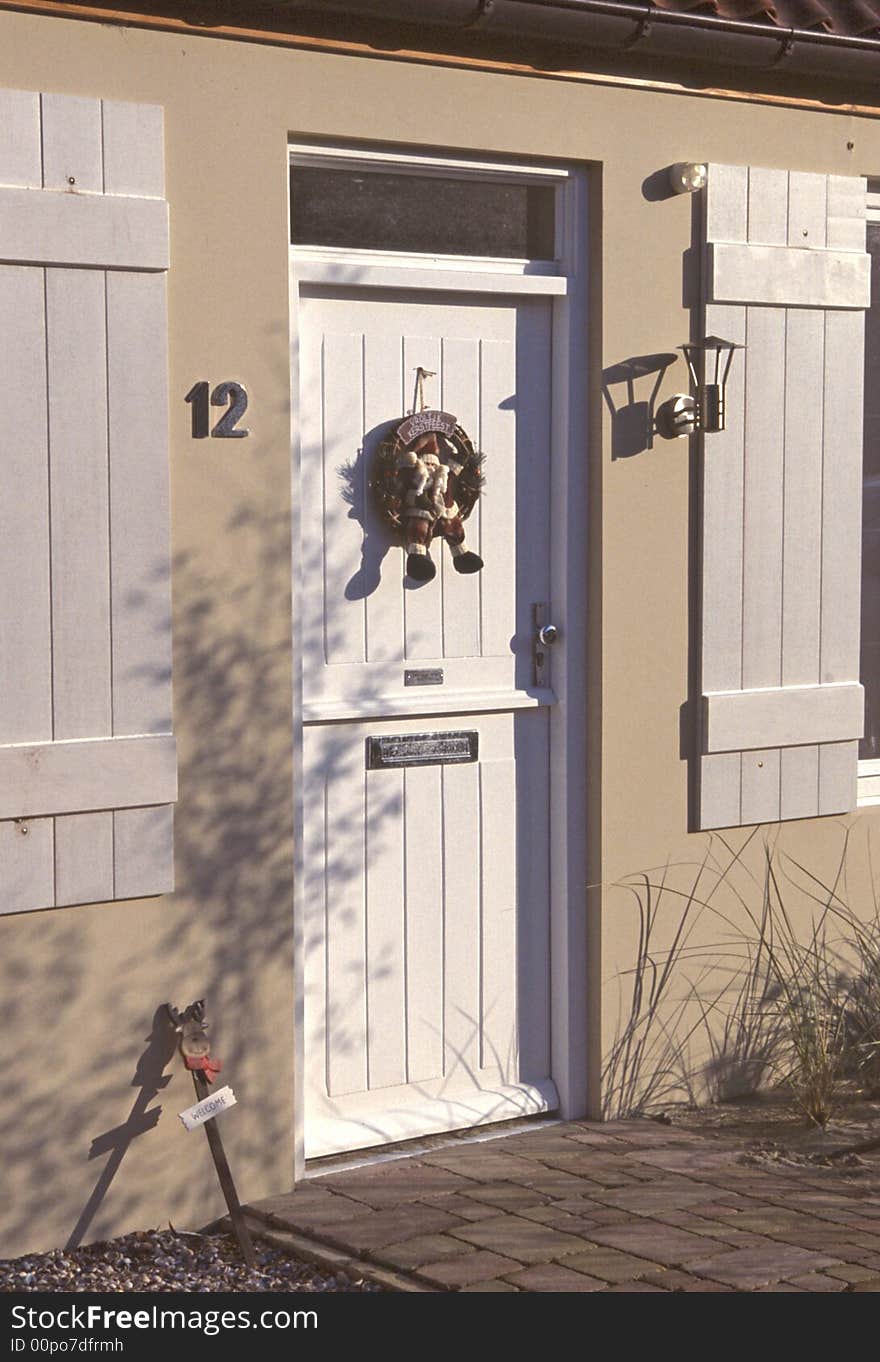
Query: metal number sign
233, 394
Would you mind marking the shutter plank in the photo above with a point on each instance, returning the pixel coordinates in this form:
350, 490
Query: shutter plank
807, 209
21, 158
137, 362
80, 503
84, 858
139, 503
841, 495
720, 774
763, 523
77, 367
799, 782
72, 143
25, 626
768, 207
143, 851
838, 777
802, 541
762, 506
845, 228
727, 206
27, 865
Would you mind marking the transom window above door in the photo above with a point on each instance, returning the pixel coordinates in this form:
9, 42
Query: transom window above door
437, 207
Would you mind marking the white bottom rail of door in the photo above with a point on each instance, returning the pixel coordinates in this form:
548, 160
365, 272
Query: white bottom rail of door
380, 1123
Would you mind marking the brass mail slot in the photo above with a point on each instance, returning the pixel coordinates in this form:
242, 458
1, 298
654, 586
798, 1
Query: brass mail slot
421, 749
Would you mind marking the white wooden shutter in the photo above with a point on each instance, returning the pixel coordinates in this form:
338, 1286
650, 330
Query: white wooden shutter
87, 758
787, 275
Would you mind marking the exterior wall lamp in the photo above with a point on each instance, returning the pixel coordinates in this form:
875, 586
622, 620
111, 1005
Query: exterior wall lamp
686, 177
687, 415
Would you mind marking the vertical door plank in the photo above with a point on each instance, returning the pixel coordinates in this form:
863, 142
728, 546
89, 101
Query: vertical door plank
534, 477
313, 899
423, 602
529, 732
345, 618
462, 920
134, 149
382, 566
386, 981
461, 593
310, 418
498, 938
72, 143
423, 840
499, 434
21, 161
346, 920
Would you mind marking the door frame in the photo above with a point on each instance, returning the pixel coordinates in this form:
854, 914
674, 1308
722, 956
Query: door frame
565, 281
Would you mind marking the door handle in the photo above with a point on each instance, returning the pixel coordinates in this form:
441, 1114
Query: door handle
544, 635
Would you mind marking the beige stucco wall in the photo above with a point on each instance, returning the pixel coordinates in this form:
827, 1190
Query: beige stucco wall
80, 985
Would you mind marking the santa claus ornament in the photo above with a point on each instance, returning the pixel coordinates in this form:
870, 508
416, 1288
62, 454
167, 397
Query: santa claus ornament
428, 479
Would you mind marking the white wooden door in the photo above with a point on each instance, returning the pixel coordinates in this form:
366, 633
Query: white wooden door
426, 895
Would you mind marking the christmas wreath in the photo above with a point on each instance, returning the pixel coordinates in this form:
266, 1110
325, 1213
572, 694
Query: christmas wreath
427, 479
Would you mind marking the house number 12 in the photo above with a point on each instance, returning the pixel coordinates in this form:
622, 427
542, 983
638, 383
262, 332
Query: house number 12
230, 395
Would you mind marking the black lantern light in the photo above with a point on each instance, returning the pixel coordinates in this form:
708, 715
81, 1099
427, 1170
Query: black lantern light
684, 414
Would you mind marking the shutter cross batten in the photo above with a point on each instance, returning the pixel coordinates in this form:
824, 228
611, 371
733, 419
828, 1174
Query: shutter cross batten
787, 275
87, 758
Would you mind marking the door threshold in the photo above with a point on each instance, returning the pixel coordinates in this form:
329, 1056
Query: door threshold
426, 1144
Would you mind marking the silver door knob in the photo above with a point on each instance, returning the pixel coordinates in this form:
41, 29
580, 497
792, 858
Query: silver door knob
547, 634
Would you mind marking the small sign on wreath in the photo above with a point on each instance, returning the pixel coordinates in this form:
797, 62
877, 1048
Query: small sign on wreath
427, 479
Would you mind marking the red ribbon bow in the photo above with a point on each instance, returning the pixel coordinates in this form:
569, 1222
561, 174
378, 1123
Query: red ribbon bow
210, 1067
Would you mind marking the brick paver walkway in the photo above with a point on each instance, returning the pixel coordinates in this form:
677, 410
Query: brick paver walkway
626, 1206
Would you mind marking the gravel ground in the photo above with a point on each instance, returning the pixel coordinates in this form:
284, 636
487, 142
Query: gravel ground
168, 1260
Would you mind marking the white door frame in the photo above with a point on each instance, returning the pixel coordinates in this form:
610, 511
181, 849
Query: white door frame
565, 281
